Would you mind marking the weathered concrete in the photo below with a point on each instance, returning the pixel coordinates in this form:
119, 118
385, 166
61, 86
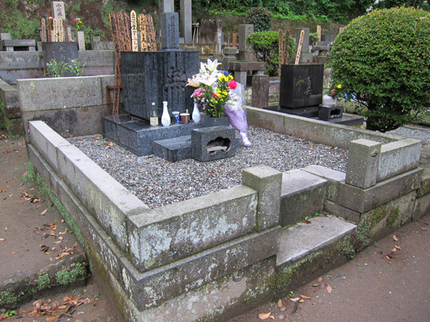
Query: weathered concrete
296, 241
215, 242
303, 194
25, 64
267, 182
72, 106
313, 130
363, 163
387, 217
163, 235
363, 200
398, 157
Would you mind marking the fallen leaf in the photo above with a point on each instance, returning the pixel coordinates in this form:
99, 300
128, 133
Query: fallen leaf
2, 190
315, 285
2, 239
44, 212
49, 319
320, 279
313, 303
296, 306
394, 249
329, 289
57, 242
389, 256
305, 297
395, 238
280, 303
63, 232
13, 252
301, 301
398, 247
295, 299
264, 316
307, 221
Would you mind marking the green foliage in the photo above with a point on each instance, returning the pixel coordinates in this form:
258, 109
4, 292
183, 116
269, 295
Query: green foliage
59, 69
76, 273
266, 48
385, 65
260, 17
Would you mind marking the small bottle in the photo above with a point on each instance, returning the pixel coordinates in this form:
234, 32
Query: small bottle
165, 117
153, 119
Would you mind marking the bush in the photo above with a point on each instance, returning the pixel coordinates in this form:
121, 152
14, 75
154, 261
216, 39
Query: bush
266, 48
260, 17
385, 65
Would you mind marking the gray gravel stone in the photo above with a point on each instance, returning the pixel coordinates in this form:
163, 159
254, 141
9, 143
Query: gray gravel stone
158, 182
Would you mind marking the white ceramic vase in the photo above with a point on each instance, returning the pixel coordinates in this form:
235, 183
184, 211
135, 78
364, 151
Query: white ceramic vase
165, 117
196, 114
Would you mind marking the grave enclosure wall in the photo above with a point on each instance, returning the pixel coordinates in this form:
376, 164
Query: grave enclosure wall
157, 260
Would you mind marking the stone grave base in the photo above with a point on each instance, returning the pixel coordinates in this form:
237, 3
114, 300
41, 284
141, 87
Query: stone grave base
172, 143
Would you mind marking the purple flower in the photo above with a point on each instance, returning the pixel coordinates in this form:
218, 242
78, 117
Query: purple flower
226, 73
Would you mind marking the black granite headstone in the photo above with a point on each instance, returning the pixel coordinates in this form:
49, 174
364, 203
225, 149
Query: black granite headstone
301, 85
61, 52
156, 77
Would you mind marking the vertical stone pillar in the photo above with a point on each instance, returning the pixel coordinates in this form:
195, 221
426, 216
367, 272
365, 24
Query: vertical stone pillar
245, 51
166, 6
186, 19
260, 91
363, 163
219, 37
268, 183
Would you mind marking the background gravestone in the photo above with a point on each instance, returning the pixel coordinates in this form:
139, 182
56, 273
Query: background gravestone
60, 51
169, 25
301, 85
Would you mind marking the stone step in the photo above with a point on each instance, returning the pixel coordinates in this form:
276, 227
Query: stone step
303, 194
179, 148
174, 149
301, 240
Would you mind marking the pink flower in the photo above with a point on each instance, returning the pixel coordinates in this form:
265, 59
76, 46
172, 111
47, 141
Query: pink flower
333, 91
198, 93
232, 84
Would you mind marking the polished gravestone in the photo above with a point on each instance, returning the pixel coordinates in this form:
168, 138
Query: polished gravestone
301, 86
149, 77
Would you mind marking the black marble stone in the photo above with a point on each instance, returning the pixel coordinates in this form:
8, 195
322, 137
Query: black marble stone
301, 85
110, 125
137, 136
213, 143
326, 113
174, 149
156, 77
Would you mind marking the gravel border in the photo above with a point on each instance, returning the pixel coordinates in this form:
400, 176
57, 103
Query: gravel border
158, 182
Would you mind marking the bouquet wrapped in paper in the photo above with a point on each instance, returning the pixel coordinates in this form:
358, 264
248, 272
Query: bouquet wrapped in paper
235, 111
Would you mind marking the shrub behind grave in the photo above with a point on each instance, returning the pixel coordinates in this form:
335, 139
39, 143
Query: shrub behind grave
265, 45
383, 60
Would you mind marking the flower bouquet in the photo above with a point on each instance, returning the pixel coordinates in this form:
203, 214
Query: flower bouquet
218, 94
212, 88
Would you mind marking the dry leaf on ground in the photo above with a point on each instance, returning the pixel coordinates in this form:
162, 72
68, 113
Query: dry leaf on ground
329, 289
264, 316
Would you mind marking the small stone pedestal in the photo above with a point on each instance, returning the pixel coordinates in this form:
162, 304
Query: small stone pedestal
326, 113
213, 143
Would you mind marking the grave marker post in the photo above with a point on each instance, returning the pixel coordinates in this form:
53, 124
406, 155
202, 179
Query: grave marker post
133, 23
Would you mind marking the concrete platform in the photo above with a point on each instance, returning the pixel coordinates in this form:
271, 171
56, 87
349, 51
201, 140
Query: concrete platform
299, 240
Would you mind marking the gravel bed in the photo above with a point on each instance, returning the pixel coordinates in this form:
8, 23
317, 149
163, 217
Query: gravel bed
158, 182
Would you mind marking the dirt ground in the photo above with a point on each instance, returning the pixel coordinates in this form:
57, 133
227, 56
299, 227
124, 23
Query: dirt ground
25, 218
371, 287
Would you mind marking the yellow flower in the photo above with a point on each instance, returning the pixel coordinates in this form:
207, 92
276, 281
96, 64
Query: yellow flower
339, 86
